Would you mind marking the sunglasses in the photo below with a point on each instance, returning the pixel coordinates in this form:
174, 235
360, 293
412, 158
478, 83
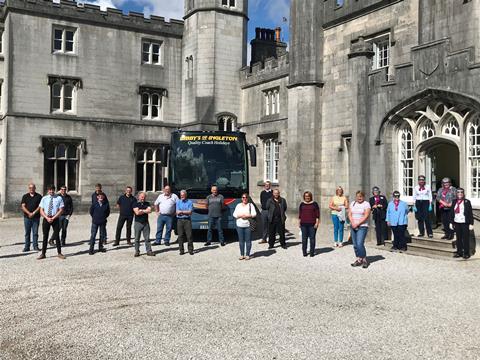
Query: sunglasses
244, 197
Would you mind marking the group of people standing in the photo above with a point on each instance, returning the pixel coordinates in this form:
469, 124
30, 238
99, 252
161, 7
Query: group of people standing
56, 210
455, 212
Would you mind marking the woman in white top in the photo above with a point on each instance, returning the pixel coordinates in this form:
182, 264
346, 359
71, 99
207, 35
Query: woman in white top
358, 213
243, 213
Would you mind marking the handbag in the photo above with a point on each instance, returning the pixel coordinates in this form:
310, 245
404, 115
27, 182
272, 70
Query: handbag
252, 220
341, 214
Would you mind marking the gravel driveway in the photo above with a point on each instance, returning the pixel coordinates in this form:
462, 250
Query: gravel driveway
279, 305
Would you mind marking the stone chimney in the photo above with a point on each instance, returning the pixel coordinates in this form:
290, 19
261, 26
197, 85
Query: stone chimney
267, 44
278, 32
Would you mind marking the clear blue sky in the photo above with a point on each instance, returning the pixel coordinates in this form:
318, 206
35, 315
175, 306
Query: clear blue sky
262, 13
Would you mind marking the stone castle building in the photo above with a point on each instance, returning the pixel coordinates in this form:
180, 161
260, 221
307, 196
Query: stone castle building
371, 92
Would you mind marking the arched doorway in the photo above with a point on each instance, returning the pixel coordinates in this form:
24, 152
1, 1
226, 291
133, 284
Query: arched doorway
439, 159
436, 138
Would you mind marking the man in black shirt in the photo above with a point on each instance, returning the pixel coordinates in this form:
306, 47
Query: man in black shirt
142, 208
66, 214
379, 205
98, 190
125, 204
265, 195
31, 217
277, 208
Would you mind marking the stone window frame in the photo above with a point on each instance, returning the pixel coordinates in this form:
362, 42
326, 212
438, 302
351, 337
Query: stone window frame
149, 93
229, 3
150, 168
473, 157
1, 96
189, 67
63, 40
79, 146
150, 53
272, 101
377, 40
2, 32
227, 122
63, 83
406, 161
271, 158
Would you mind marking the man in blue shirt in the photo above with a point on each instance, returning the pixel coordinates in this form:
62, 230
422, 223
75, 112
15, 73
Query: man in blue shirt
184, 222
51, 208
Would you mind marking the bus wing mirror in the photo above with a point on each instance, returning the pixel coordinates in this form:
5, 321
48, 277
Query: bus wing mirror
164, 155
253, 155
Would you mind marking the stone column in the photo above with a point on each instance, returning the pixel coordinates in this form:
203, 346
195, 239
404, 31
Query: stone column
304, 151
360, 63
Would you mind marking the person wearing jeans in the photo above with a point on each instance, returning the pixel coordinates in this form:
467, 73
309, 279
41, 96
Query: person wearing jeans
397, 219
142, 209
358, 213
67, 213
338, 206
99, 211
309, 215
243, 212
165, 210
215, 203
31, 217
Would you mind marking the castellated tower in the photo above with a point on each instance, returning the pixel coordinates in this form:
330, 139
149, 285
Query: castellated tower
214, 50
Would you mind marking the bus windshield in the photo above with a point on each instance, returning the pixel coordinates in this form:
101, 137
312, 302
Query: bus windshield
200, 160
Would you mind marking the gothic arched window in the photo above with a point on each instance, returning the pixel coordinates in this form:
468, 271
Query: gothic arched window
473, 151
427, 131
406, 151
227, 123
451, 128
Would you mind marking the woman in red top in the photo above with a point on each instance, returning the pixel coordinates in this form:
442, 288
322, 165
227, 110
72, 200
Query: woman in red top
309, 215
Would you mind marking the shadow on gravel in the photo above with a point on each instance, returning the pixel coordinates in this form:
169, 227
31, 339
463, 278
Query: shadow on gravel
166, 250
83, 252
293, 243
264, 253
121, 247
323, 250
372, 259
206, 248
11, 256
13, 244
76, 243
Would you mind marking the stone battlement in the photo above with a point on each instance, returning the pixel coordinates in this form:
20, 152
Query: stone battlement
87, 13
260, 72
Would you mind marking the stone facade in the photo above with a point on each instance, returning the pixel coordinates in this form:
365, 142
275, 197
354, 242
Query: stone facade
372, 92
359, 75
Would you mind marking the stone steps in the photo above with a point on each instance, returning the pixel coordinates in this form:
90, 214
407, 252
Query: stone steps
430, 249
436, 242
